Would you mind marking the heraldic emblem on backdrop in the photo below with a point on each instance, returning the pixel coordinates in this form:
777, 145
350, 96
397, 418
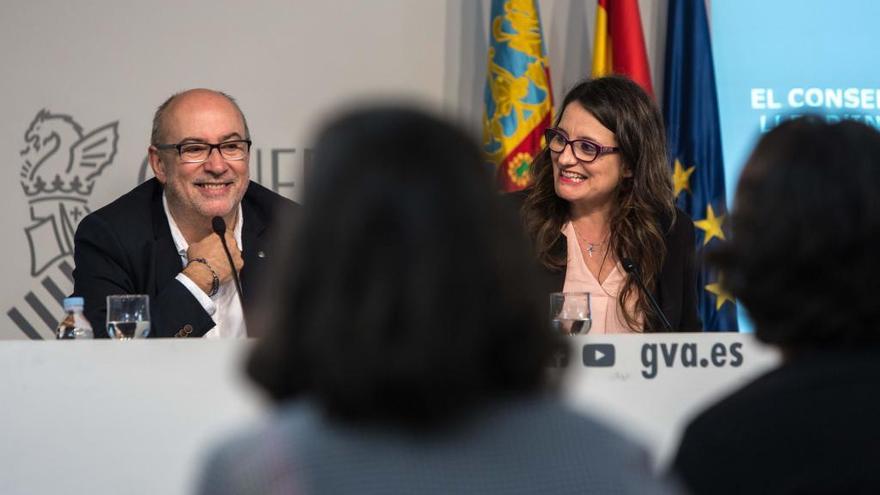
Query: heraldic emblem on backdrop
59, 165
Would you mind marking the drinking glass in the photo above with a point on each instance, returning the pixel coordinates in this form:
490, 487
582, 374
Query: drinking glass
570, 312
128, 316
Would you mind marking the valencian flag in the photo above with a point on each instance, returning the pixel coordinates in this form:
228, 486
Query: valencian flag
518, 101
694, 136
619, 46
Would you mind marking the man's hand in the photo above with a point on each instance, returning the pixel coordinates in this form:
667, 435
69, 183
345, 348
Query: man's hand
211, 250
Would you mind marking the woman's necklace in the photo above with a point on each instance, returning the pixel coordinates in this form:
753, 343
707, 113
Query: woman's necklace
591, 247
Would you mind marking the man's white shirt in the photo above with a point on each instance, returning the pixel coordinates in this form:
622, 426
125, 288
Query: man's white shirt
225, 307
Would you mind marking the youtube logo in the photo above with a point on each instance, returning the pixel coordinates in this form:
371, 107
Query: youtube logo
599, 355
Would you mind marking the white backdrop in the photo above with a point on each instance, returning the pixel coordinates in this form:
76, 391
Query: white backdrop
93, 72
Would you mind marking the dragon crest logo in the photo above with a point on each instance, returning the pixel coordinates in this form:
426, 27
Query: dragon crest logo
59, 167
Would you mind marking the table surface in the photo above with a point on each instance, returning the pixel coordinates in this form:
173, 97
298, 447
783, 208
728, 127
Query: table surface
138, 417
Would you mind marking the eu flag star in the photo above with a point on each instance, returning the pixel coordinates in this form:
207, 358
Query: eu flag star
711, 225
681, 177
721, 295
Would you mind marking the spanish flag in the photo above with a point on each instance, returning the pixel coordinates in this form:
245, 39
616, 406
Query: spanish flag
619, 46
518, 100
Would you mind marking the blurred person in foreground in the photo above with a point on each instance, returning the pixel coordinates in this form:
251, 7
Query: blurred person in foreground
602, 194
404, 345
803, 262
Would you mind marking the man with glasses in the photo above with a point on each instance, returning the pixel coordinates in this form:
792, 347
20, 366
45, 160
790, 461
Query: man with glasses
158, 238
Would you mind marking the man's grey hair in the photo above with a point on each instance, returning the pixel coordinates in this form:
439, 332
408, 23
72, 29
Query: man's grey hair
158, 133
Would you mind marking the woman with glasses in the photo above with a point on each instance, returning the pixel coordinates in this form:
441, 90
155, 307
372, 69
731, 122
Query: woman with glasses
601, 215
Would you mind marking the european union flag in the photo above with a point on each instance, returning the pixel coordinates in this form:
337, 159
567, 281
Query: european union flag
694, 137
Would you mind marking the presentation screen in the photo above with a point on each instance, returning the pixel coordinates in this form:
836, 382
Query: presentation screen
776, 60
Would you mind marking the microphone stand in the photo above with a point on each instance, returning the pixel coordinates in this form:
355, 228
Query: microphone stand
633, 270
219, 227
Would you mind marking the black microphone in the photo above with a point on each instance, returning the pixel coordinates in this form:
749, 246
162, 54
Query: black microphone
633, 270
219, 227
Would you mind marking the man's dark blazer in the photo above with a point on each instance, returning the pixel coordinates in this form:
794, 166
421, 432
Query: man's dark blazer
126, 248
676, 289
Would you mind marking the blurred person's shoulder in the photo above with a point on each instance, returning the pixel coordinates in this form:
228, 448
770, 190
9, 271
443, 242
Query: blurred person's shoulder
803, 422
537, 443
568, 445
795, 384
259, 459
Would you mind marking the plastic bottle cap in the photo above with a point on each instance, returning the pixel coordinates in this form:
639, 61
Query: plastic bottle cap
73, 302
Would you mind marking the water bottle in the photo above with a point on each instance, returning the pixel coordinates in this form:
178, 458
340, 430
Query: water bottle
74, 325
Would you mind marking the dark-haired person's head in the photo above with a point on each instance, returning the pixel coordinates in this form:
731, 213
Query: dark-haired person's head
806, 226
408, 294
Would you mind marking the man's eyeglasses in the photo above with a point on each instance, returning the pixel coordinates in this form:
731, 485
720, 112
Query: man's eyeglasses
200, 152
584, 150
